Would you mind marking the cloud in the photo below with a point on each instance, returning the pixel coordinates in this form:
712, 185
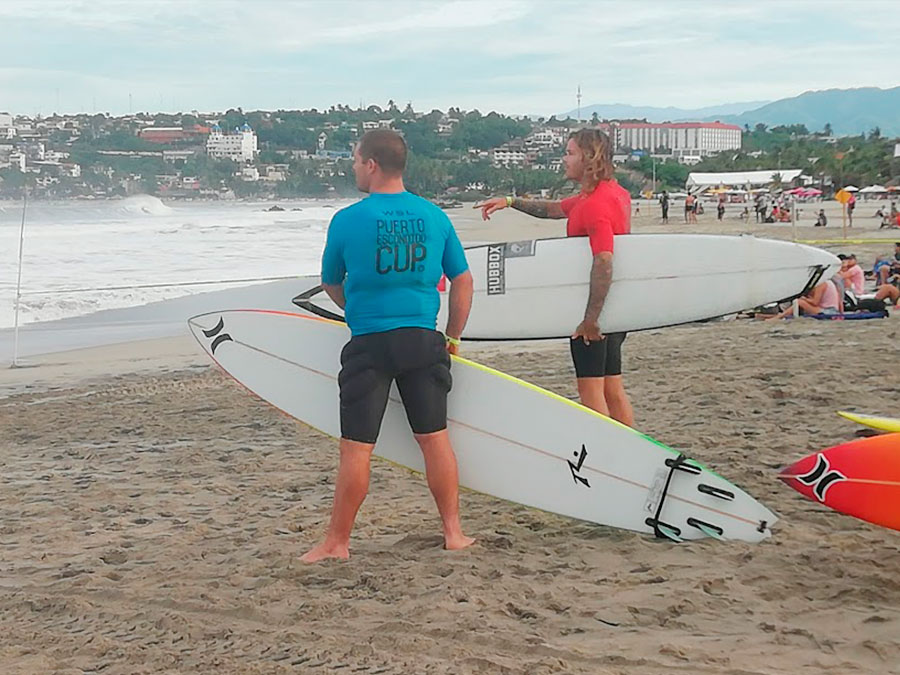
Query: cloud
511, 55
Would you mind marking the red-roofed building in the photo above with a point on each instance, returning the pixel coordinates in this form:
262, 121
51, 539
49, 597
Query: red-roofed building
174, 134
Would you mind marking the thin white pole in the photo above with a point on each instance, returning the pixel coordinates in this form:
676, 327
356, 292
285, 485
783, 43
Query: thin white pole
15, 361
794, 218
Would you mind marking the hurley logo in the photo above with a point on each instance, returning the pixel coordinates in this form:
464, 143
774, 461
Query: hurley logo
821, 477
214, 332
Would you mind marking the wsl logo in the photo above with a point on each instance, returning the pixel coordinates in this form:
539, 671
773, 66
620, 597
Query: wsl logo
401, 245
496, 270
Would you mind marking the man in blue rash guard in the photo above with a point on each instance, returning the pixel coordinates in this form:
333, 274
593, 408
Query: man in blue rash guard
383, 260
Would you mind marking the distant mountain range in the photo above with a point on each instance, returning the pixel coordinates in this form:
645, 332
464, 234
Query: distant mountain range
849, 111
621, 111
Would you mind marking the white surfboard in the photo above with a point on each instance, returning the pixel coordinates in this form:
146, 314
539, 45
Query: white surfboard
513, 440
539, 288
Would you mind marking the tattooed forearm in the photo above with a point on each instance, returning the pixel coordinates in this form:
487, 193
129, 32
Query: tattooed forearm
538, 208
601, 279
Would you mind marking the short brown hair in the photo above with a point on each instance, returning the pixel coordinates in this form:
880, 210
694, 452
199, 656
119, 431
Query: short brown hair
597, 149
386, 147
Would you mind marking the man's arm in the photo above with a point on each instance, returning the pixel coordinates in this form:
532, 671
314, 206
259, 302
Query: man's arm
533, 207
461, 290
336, 293
539, 208
601, 279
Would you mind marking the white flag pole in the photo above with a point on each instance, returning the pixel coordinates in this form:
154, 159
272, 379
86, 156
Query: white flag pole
15, 361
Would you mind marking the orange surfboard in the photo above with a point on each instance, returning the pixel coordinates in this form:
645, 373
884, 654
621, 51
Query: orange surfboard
860, 478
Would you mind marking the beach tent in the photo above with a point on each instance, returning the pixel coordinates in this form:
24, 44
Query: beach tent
700, 180
873, 189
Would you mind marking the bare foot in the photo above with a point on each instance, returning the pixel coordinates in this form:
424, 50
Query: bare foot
456, 542
324, 551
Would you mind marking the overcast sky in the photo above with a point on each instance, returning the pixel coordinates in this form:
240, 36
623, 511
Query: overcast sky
514, 56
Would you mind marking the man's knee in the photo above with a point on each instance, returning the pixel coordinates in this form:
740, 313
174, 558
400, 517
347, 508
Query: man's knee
614, 387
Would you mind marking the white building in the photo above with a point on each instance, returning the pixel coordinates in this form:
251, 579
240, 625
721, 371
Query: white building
446, 125
239, 145
275, 173
7, 127
377, 124
546, 138
681, 139
17, 161
504, 156
70, 170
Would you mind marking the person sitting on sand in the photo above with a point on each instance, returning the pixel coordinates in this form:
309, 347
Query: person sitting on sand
822, 220
888, 292
887, 267
823, 299
853, 275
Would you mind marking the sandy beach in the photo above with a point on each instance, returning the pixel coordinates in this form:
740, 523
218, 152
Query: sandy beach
152, 514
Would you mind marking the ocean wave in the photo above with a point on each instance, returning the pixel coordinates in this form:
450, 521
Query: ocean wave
146, 205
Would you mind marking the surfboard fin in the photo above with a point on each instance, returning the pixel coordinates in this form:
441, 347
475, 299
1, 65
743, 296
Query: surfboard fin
304, 301
708, 529
669, 532
713, 491
682, 463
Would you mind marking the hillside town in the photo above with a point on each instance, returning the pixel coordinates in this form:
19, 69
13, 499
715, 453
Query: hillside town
234, 155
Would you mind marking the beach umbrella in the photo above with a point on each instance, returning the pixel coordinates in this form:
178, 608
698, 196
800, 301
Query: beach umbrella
851, 188
874, 188
811, 192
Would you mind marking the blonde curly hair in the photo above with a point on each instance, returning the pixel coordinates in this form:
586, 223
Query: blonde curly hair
597, 149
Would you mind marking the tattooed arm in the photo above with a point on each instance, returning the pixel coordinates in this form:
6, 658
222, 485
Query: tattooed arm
538, 208
601, 280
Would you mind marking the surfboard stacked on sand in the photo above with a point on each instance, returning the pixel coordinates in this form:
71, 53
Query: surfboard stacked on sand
512, 440
860, 478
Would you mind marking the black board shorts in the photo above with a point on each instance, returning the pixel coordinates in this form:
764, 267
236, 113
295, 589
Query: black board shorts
598, 359
416, 358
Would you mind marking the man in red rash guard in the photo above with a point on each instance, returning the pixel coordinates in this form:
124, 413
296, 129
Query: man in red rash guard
601, 210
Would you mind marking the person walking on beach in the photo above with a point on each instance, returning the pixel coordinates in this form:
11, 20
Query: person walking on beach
689, 208
383, 259
599, 211
664, 203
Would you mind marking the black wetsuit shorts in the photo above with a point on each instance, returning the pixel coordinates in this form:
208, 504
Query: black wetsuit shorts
598, 359
416, 358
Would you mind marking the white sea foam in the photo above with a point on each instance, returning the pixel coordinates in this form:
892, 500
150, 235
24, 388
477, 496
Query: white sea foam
141, 241
143, 205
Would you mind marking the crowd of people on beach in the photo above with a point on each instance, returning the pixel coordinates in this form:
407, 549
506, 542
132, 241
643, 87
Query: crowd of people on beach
845, 294
769, 208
